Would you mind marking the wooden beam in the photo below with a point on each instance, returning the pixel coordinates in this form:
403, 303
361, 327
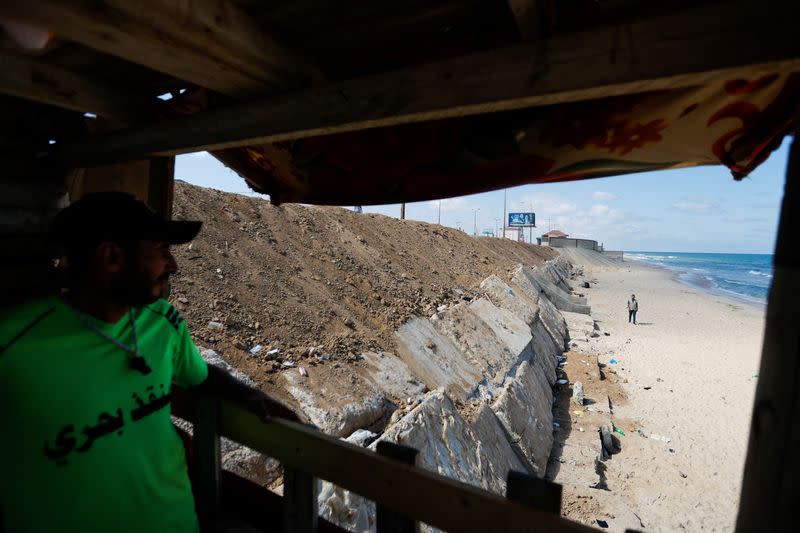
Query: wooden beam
210, 43
427, 497
682, 49
768, 501
534, 18
300, 506
32, 79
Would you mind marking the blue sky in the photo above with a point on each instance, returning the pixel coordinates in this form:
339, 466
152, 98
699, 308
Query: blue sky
688, 210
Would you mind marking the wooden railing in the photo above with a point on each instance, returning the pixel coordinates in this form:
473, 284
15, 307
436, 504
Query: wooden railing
404, 494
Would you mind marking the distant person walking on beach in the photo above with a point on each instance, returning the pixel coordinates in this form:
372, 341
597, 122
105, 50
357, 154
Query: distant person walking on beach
633, 306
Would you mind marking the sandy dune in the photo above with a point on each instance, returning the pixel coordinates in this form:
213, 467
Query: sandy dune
698, 356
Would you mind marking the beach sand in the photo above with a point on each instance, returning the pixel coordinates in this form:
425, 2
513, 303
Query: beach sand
698, 354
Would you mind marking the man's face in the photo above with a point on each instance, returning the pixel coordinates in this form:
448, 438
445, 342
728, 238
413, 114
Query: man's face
143, 278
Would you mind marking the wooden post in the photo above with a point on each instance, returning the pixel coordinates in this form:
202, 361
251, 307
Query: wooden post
386, 520
161, 185
403, 211
533, 492
772, 467
300, 512
207, 470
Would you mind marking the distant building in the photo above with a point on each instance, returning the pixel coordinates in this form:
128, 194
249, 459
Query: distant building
514, 233
545, 239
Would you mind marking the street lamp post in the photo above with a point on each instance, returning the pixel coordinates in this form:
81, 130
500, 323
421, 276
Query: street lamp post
475, 221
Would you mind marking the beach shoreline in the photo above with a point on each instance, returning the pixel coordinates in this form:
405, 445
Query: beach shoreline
697, 280
688, 372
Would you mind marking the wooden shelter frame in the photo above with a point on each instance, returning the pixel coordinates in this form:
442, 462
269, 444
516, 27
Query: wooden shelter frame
274, 93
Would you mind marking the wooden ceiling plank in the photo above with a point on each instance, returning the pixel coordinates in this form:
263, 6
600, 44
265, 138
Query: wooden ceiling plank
32, 79
210, 43
677, 50
531, 17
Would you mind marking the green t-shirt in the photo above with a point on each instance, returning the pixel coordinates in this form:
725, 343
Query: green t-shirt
87, 443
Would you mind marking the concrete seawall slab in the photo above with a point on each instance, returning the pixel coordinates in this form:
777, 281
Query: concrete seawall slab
561, 299
525, 408
478, 344
551, 318
434, 359
491, 364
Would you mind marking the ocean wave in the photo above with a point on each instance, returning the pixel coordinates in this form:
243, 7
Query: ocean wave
759, 273
651, 257
760, 300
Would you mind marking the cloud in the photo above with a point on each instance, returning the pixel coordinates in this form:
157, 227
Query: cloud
693, 207
599, 210
544, 205
449, 204
600, 196
197, 155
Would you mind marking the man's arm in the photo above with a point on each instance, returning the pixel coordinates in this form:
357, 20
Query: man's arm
220, 383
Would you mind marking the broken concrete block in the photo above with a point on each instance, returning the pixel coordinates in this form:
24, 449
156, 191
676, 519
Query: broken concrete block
577, 393
335, 410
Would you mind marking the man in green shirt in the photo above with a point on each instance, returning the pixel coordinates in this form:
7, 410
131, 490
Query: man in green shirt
85, 381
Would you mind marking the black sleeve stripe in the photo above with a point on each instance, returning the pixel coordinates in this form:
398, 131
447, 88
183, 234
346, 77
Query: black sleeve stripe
172, 315
26, 329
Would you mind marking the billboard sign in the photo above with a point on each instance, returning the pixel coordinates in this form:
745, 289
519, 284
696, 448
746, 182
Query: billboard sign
525, 220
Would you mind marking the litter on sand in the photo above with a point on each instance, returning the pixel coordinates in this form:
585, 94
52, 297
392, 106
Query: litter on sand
618, 430
602, 523
613, 361
660, 438
255, 349
562, 382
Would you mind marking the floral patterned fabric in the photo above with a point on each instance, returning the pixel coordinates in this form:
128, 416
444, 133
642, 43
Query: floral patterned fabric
733, 122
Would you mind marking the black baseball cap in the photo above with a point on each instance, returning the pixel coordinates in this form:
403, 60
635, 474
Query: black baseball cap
117, 216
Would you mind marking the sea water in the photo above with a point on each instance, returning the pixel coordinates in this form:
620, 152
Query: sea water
743, 276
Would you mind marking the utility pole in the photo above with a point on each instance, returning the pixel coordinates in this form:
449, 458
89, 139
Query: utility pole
403, 211
475, 221
503, 227
530, 233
